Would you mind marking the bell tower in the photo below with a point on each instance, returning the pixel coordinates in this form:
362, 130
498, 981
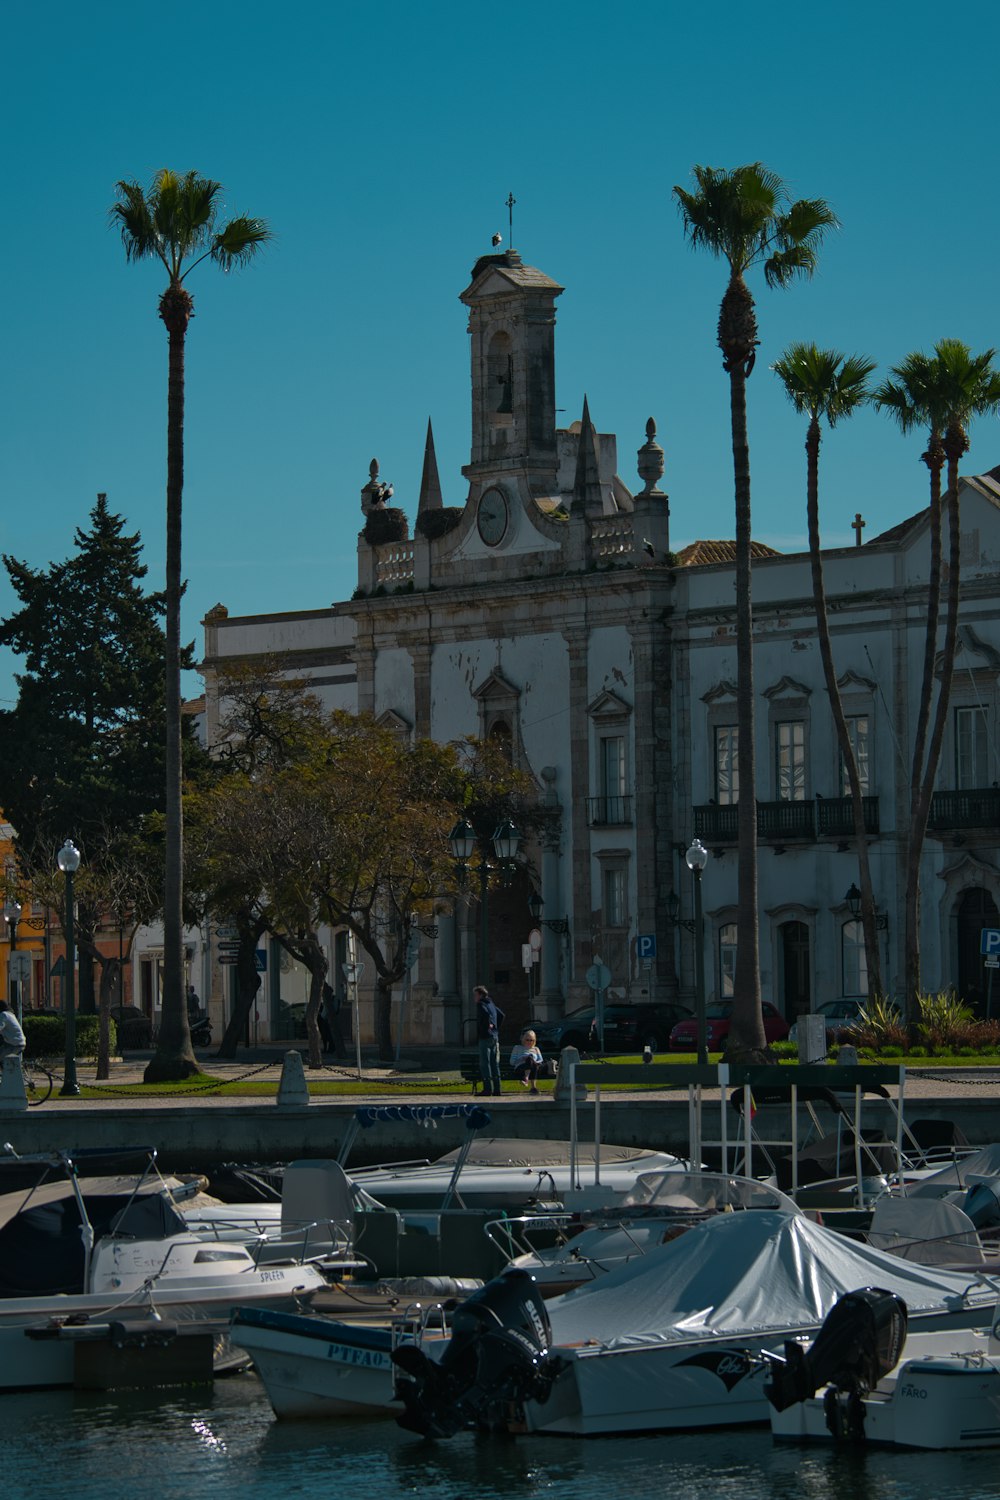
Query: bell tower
512, 331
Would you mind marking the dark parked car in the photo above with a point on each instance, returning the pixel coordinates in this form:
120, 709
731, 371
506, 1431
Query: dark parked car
684, 1037
627, 1028
570, 1031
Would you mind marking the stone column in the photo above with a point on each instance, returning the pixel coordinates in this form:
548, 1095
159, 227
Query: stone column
580, 905
446, 976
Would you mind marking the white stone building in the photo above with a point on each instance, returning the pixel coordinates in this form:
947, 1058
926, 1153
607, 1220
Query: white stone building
547, 610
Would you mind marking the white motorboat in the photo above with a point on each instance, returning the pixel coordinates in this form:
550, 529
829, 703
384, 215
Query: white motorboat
514, 1175
661, 1206
866, 1380
670, 1340
314, 1366
114, 1250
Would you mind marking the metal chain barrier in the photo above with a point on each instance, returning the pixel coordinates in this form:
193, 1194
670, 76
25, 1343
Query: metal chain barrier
972, 1083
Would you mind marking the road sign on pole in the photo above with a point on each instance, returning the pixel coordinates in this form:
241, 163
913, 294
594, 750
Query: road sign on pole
989, 941
645, 945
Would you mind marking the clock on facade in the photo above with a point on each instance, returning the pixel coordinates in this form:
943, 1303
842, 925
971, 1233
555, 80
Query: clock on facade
492, 517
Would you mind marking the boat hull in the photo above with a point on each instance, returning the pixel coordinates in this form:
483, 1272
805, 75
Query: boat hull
319, 1367
938, 1403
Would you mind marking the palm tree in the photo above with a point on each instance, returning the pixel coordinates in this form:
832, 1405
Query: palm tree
177, 222
823, 383
745, 217
942, 392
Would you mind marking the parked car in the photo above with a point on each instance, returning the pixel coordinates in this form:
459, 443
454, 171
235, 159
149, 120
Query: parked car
569, 1031
718, 1017
839, 1015
627, 1028
134, 1028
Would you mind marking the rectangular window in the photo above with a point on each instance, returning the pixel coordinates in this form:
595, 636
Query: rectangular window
855, 960
727, 765
614, 896
858, 733
790, 760
971, 749
727, 960
613, 766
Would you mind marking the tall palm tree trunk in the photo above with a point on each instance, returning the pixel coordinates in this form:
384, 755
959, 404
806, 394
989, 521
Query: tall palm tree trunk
956, 444
934, 459
174, 1042
747, 1031
872, 956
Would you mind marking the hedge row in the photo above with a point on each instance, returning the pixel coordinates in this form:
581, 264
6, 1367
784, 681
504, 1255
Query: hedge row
46, 1036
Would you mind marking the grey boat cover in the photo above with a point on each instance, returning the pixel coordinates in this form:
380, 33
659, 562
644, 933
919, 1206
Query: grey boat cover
495, 1152
957, 1174
747, 1274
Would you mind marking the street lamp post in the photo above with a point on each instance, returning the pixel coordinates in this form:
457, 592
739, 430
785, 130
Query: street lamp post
12, 913
506, 841
696, 859
69, 862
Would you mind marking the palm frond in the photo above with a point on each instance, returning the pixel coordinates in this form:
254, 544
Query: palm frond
239, 241
824, 382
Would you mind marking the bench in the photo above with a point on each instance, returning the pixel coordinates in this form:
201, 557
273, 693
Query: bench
468, 1067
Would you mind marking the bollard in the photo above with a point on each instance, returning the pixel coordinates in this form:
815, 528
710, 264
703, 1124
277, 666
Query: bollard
12, 1096
293, 1091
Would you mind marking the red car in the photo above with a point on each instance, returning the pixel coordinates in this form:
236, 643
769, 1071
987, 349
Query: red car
684, 1037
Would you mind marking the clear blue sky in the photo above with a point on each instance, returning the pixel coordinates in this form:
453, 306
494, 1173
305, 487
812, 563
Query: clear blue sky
380, 141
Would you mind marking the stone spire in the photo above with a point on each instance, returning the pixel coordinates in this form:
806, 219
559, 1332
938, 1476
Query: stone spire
430, 483
650, 464
588, 497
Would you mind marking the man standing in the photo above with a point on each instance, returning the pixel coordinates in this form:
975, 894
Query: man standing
488, 1020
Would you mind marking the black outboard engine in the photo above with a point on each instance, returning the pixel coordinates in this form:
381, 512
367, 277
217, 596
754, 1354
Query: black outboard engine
497, 1356
861, 1340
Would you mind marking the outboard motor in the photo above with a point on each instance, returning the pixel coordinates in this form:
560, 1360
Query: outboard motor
497, 1356
861, 1340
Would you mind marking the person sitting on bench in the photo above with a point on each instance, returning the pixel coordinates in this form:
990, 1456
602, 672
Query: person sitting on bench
526, 1059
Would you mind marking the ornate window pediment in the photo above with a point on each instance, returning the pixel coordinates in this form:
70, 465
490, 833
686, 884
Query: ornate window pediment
722, 693
787, 687
390, 719
608, 708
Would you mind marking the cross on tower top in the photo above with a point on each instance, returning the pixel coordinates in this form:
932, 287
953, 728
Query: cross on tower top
857, 526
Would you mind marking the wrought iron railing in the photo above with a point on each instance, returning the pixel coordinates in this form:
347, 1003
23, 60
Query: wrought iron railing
977, 808
605, 812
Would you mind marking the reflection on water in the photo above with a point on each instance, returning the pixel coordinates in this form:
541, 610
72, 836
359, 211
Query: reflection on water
226, 1445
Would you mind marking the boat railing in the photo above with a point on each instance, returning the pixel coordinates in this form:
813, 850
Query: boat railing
513, 1236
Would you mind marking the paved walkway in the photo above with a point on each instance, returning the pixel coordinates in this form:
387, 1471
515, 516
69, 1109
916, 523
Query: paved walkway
921, 1084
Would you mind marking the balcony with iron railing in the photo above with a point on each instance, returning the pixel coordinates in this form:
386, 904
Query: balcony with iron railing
971, 810
609, 812
784, 822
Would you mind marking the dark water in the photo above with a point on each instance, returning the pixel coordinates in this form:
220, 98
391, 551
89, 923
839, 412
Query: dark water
226, 1444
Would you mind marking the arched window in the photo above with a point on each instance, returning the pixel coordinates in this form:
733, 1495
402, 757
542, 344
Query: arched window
500, 735
853, 958
499, 374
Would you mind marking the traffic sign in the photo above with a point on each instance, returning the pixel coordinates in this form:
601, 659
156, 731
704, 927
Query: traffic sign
19, 966
645, 945
353, 972
989, 940
228, 947
598, 976
228, 958
227, 930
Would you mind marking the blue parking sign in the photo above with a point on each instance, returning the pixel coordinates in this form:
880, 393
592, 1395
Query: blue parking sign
646, 945
989, 941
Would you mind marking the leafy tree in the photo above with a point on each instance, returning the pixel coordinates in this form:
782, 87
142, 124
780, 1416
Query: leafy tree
177, 223
942, 392
746, 218
82, 748
823, 383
